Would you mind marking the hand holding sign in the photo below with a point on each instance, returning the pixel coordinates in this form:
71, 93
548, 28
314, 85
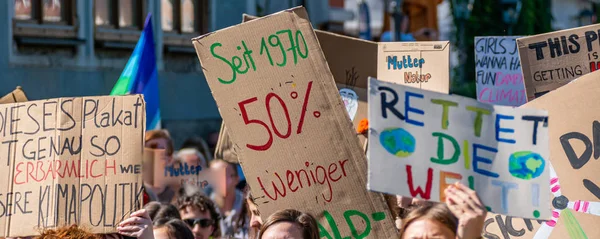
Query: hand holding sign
139, 225
426, 139
467, 207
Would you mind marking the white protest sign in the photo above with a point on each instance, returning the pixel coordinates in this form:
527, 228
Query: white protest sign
498, 71
421, 141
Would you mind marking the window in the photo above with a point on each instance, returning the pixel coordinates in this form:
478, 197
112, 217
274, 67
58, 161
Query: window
118, 20
183, 19
44, 18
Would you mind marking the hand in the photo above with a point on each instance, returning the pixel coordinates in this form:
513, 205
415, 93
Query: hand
467, 207
138, 225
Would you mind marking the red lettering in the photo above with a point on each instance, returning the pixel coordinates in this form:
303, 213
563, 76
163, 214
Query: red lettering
50, 170
277, 191
30, 168
70, 170
290, 181
17, 172
92, 170
489, 93
38, 168
299, 179
325, 179
333, 171
342, 163
79, 167
594, 66
57, 168
418, 191
106, 167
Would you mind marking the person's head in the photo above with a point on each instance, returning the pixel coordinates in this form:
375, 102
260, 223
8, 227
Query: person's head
159, 139
200, 144
290, 224
199, 213
171, 228
192, 156
158, 210
255, 220
231, 174
67, 232
429, 220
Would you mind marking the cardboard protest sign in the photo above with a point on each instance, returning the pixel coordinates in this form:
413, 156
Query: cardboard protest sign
421, 140
574, 117
553, 59
279, 101
424, 65
17, 95
351, 61
70, 161
498, 68
225, 149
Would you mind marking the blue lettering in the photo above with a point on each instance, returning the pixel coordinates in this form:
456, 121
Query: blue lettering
405, 63
407, 108
477, 159
505, 187
504, 130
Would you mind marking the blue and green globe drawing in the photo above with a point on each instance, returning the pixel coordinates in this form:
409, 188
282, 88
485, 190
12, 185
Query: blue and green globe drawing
526, 165
398, 141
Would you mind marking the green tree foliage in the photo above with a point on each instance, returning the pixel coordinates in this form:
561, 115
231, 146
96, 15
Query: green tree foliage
486, 19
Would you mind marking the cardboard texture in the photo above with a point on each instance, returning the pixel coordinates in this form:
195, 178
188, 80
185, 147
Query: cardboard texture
290, 123
553, 59
424, 65
422, 141
71, 161
225, 149
351, 61
498, 70
17, 95
573, 116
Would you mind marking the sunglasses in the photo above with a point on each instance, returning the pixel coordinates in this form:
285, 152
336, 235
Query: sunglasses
203, 222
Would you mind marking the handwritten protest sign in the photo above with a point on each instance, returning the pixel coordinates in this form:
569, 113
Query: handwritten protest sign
177, 174
424, 65
350, 70
573, 142
498, 69
425, 139
70, 161
17, 95
552, 60
279, 101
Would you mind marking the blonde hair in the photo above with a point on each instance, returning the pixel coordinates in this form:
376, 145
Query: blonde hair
67, 232
433, 211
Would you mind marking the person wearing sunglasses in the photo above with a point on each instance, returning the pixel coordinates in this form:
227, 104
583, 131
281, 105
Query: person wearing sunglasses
199, 214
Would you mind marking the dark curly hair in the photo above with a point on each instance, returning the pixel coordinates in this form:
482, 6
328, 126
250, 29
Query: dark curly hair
158, 210
201, 202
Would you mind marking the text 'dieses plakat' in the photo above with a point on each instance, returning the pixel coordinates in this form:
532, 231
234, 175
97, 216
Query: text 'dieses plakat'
70, 161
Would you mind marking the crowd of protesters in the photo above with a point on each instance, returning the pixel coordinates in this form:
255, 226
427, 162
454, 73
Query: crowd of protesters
202, 213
